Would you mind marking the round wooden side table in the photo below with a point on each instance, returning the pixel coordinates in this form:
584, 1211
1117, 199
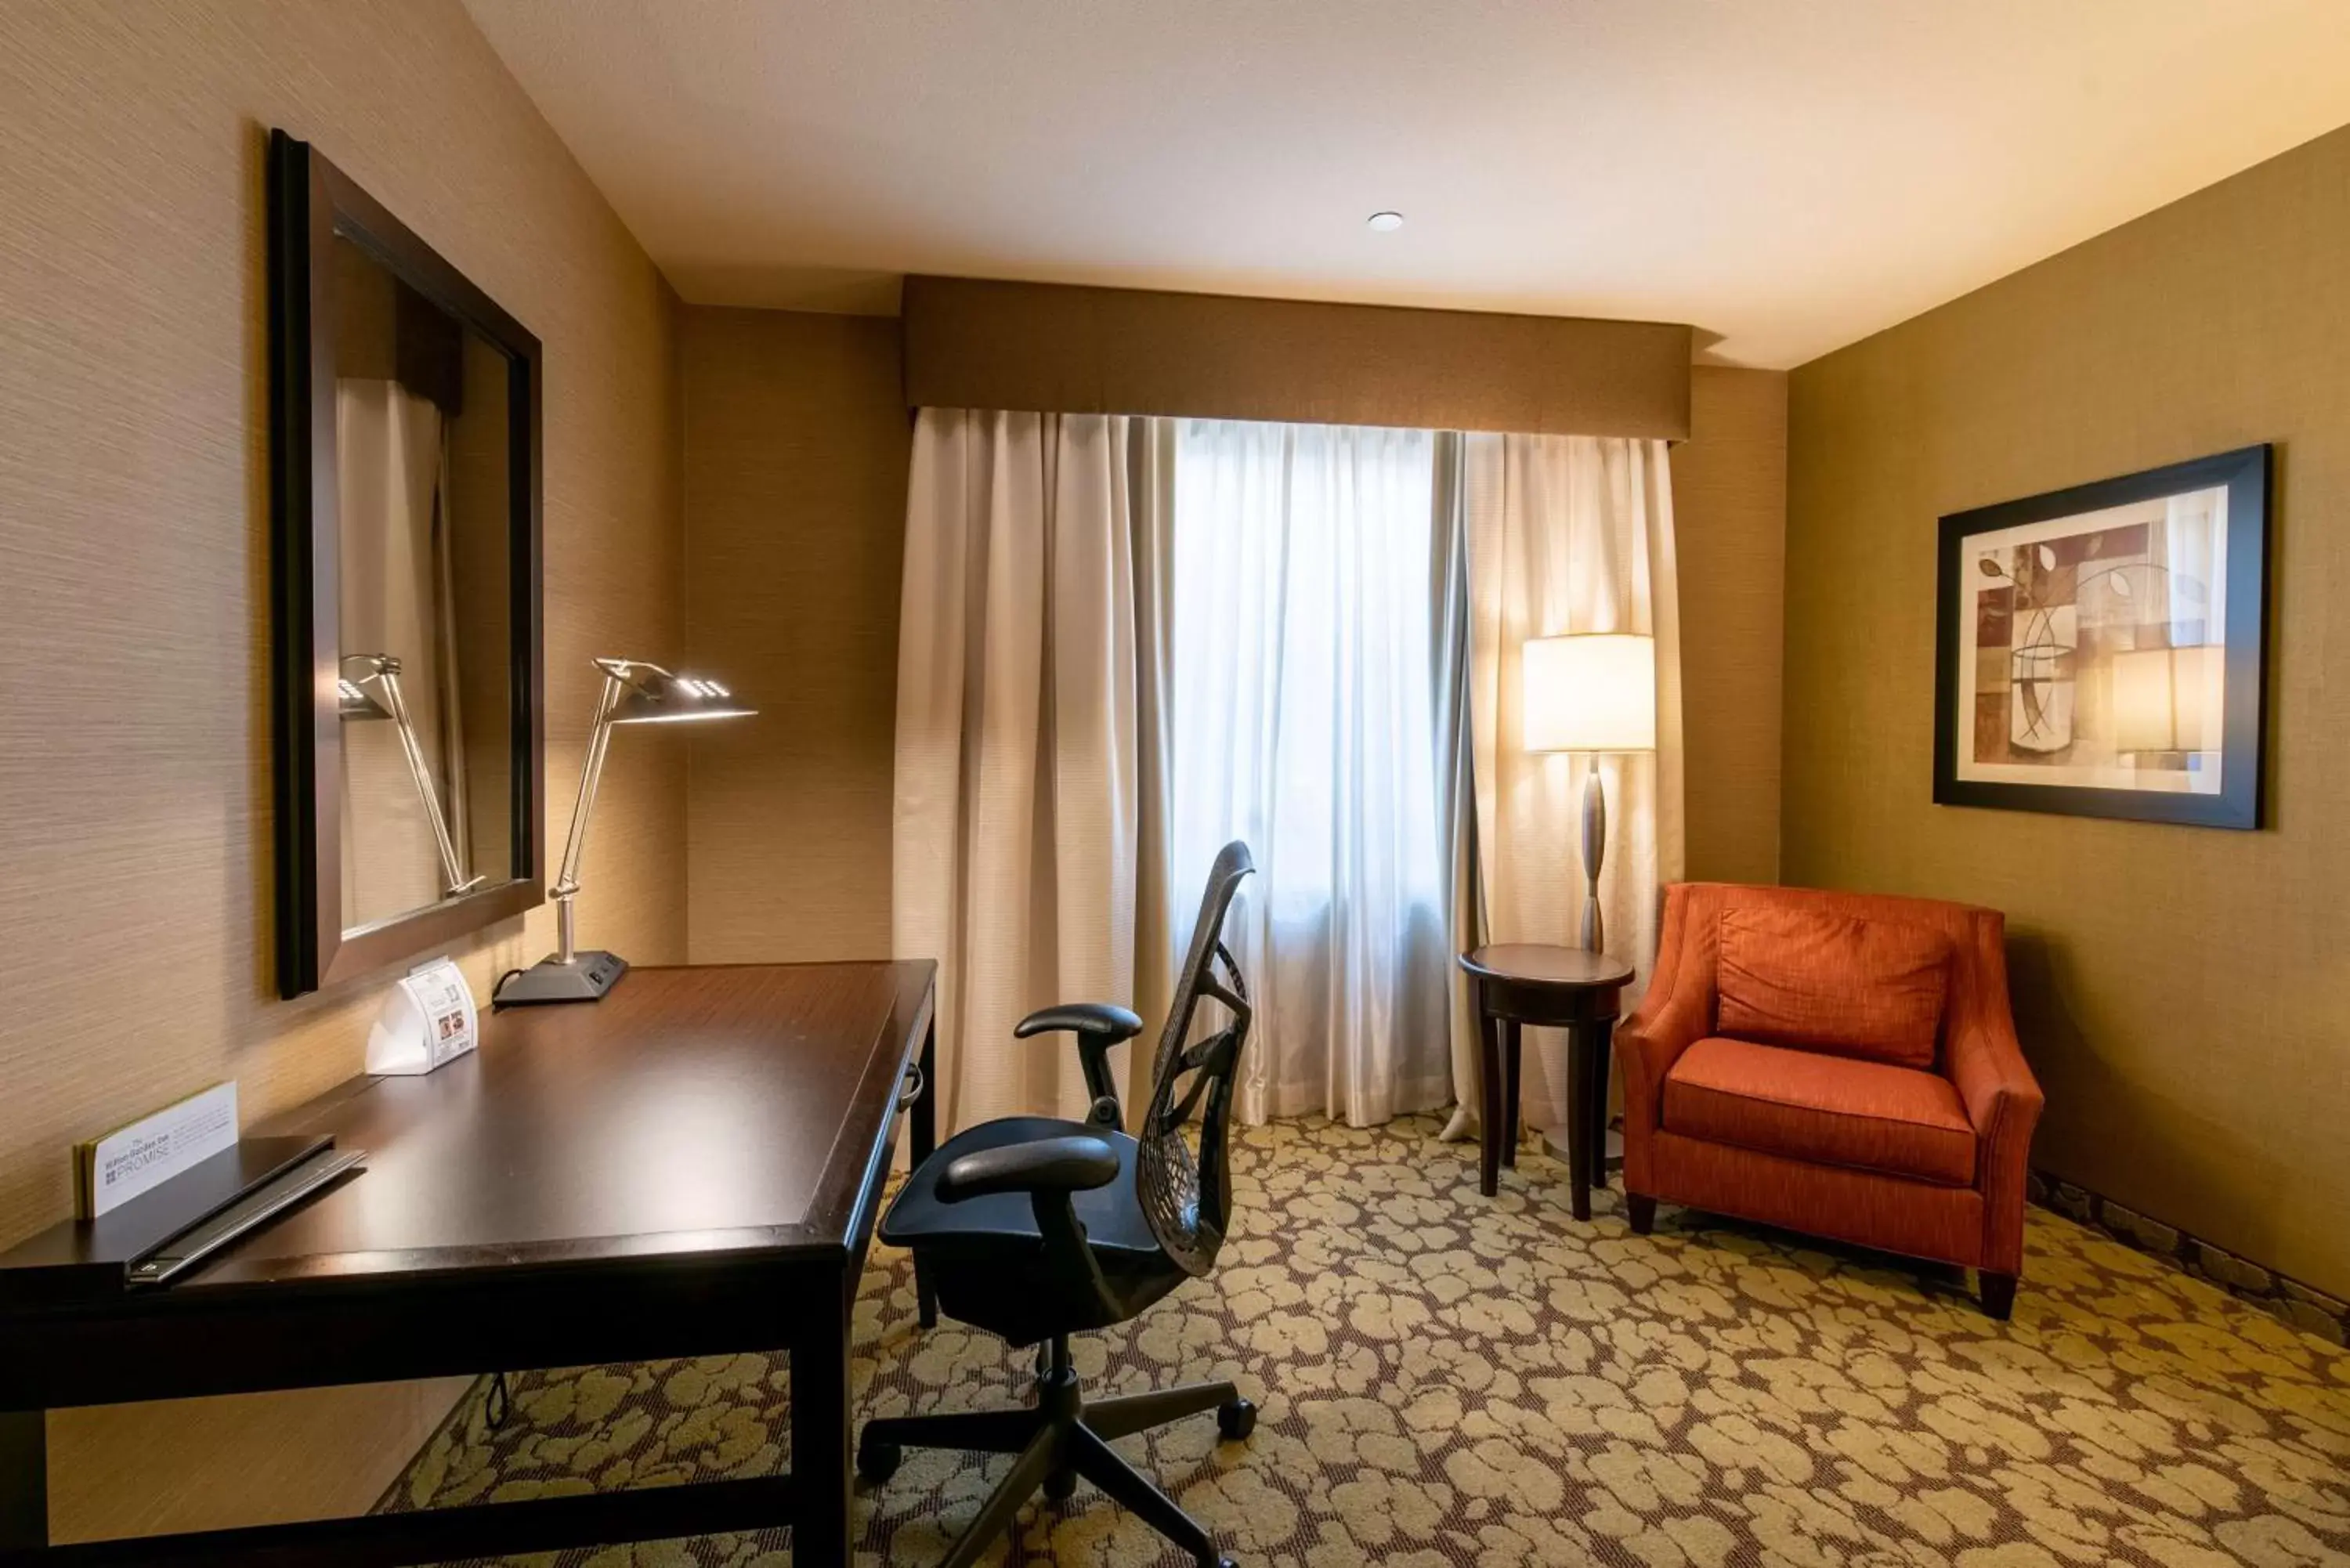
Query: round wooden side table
1533, 982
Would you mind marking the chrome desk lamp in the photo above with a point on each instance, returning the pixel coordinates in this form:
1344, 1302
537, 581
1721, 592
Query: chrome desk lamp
356, 702
1592, 692
635, 692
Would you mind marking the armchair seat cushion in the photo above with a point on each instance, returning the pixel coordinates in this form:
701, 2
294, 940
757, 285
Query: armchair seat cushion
1826, 1110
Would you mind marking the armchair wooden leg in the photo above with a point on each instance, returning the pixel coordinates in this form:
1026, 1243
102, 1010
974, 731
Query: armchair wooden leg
1642, 1212
1998, 1295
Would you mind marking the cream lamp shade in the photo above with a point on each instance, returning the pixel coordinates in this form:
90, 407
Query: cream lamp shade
1593, 692
2168, 699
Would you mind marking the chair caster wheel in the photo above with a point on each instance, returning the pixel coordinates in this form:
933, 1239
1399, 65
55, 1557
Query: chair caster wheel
1236, 1421
877, 1460
1061, 1485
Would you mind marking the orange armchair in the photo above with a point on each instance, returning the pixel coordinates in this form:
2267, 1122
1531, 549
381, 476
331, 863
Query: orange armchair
1842, 1064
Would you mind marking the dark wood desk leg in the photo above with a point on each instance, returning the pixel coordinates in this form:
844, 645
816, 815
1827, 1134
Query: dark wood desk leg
820, 1436
1489, 1152
23, 1480
1512, 1076
1603, 1035
1579, 1117
922, 1139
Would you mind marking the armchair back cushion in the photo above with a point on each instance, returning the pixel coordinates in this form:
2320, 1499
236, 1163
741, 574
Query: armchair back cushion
1822, 979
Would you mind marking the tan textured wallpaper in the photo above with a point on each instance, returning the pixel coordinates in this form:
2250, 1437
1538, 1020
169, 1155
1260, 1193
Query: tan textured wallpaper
1730, 517
797, 441
2181, 992
134, 561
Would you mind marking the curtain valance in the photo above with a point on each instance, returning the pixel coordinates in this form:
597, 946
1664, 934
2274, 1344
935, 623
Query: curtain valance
1062, 349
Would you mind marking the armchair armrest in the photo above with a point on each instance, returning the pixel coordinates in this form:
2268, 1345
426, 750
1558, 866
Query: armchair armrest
1098, 1025
1048, 1165
1985, 1064
1675, 1012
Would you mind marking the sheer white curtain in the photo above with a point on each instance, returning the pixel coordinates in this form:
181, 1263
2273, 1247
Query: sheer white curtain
1016, 822
1304, 720
1567, 534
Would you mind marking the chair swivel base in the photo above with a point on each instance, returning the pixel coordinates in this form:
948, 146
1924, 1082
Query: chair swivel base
1061, 1437
586, 977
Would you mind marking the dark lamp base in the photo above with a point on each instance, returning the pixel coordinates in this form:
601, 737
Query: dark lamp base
585, 979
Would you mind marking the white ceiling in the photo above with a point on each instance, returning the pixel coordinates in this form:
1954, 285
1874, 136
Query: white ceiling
1788, 175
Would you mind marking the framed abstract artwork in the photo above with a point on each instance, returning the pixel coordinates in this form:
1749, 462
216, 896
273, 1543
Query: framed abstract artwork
2101, 651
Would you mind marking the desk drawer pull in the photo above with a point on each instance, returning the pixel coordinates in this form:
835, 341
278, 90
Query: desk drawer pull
913, 1089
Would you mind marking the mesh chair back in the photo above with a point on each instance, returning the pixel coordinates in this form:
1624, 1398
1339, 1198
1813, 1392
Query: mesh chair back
1187, 1192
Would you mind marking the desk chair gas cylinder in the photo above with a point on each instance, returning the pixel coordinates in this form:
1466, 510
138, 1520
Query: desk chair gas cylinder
1035, 1229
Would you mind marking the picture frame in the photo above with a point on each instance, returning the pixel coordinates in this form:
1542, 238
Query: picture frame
2102, 650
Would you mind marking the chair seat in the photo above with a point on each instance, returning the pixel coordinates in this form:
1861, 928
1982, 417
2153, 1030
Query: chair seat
1827, 1110
1112, 1216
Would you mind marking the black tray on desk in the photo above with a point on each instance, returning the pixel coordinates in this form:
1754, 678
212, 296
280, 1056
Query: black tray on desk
83, 1260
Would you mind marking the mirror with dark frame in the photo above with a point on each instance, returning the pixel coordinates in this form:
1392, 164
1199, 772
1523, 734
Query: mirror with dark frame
405, 421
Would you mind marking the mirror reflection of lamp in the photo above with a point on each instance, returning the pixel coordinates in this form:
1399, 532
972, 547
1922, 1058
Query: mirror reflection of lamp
356, 702
1593, 692
635, 692
2167, 700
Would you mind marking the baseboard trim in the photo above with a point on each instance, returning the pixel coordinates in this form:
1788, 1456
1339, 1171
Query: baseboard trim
2304, 1307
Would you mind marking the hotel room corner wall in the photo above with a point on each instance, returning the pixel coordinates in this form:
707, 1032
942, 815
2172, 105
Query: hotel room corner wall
2180, 991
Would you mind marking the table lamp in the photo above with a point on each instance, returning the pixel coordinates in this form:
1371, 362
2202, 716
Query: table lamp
1591, 692
355, 702
635, 692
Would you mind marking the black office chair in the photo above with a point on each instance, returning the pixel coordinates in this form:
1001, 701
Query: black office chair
1035, 1229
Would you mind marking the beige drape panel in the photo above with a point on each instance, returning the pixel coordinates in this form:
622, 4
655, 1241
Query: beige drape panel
448, 669
1566, 534
1159, 892
1455, 741
984, 344
390, 479
1020, 741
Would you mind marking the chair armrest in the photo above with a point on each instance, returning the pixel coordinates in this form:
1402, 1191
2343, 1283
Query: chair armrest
1671, 1018
1061, 1165
1107, 1019
1675, 1012
1985, 1064
1098, 1025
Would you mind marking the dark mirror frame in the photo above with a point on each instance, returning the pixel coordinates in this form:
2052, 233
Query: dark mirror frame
311, 202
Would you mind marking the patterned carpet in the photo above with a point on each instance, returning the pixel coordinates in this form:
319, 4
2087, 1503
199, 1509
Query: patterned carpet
1446, 1379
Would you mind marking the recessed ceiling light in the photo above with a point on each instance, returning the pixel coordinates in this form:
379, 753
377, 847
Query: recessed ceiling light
1387, 222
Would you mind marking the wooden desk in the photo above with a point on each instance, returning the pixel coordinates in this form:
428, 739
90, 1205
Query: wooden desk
1533, 982
692, 1166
